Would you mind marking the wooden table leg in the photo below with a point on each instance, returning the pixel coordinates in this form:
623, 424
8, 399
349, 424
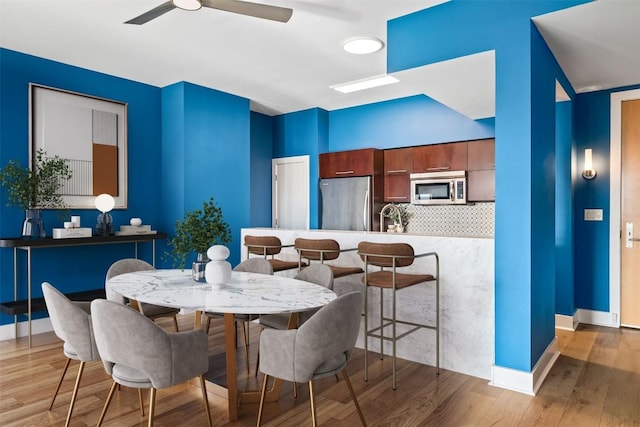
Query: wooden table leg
197, 320
232, 379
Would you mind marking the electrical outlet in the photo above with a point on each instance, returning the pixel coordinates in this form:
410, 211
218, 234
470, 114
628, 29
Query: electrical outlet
593, 214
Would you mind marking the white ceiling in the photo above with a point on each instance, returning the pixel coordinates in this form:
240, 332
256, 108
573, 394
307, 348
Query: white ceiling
289, 67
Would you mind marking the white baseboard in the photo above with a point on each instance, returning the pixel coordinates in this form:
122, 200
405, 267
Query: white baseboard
526, 382
568, 323
38, 326
600, 318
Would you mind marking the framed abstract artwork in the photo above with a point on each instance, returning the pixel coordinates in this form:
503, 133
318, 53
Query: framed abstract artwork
90, 133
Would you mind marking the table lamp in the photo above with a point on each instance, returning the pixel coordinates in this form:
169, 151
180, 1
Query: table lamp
104, 203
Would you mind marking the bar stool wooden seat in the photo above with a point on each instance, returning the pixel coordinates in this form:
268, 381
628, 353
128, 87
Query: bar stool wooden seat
268, 247
324, 250
388, 257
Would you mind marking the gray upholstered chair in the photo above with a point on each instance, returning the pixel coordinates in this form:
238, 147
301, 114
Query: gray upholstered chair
252, 265
319, 274
319, 348
71, 322
138, 353
130, 265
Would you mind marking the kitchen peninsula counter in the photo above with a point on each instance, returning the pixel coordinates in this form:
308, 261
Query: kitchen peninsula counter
466, 294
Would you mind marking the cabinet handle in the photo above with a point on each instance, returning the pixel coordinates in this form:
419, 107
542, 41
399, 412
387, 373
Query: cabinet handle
397, 171
343, 172
398, 197
439, 168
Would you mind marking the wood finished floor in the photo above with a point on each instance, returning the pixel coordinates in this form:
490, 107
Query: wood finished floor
595, 382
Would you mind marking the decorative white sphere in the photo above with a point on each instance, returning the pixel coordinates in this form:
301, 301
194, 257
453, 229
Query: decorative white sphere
218, 253
136, 222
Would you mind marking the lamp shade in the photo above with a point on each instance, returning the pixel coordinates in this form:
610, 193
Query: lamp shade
105, 202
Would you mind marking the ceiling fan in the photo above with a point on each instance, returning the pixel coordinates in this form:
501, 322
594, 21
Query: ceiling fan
264, 11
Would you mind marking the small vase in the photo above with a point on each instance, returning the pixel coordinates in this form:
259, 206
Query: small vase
218, 271
33, 225
198, 267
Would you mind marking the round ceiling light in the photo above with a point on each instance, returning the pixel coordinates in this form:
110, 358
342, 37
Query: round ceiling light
187, 4
363, 45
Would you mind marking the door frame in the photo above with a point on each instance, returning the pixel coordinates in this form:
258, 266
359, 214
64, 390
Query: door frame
615, 159
274, 188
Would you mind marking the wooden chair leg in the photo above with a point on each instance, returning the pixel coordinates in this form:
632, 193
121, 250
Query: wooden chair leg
263, 393
152, 405
106, 403
208, 324
75, 393
257, 363
141, 402
55, 393
295, 390
314, 421
347, 381
203, 386
175, 322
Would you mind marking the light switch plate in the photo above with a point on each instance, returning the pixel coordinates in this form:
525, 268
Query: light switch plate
593, 214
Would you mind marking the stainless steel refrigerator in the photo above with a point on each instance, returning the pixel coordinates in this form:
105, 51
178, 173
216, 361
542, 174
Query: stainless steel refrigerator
345, 203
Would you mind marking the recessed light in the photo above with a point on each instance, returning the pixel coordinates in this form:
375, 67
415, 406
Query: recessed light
187, 4
362, 45
367, 83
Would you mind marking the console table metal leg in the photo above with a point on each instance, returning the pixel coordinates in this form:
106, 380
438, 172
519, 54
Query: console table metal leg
15, 290
29, 291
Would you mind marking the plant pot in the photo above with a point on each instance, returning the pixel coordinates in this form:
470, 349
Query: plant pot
33, 225
198, 268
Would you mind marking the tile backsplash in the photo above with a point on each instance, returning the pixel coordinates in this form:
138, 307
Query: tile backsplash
473, 220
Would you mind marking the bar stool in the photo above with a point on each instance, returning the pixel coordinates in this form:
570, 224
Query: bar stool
393, 256
324, 250
268, 247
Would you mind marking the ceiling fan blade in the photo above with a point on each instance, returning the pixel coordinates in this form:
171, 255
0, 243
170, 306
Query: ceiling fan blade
152, 14
264, 11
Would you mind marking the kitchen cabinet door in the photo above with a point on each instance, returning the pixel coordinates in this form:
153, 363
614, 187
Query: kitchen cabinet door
440, 157
481, 186
481, 154
397, 188
350, 163
398, 161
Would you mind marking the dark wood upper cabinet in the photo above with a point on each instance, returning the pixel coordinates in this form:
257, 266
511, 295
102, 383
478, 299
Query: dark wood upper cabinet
481, 154
398, 161
440, 157
367, 161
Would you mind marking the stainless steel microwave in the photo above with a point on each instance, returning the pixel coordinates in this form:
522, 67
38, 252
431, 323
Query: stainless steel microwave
439, 188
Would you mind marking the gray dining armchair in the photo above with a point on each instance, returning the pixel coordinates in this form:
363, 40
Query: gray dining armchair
130, 265
71, 322
319, 348
252, 265
138, 353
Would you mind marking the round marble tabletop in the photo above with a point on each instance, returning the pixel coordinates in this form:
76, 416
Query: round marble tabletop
245, 293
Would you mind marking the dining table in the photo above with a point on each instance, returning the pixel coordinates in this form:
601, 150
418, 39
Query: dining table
244, 293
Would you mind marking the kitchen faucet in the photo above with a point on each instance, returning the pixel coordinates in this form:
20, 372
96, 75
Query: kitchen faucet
388, 206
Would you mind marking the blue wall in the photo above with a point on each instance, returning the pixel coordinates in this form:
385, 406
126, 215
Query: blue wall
260, 170
565, 177
72, 269
525, 135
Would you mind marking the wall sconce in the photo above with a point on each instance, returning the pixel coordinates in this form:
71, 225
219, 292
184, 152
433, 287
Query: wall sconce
104, 203
588, 172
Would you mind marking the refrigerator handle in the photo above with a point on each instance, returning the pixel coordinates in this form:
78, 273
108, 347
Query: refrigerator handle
365, 211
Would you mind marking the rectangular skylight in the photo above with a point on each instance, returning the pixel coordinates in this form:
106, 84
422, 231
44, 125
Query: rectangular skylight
363, 84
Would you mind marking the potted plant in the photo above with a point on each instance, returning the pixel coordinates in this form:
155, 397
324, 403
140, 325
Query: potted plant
36, 188
196, 232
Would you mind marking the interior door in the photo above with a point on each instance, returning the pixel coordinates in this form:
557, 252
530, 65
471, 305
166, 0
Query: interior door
630, 215
290, 185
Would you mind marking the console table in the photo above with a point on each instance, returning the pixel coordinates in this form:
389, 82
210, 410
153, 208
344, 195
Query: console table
28, 245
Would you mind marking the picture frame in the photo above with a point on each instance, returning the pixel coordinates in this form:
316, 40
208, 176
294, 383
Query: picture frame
90, 133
